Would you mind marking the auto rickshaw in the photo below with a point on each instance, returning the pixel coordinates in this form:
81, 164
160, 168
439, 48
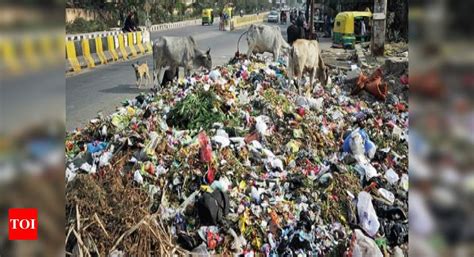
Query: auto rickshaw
349, 28
207, 16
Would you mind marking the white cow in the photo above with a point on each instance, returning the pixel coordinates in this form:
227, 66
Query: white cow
305, 55
263, 38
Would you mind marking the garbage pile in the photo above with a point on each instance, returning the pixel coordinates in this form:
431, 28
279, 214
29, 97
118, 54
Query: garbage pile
234, 161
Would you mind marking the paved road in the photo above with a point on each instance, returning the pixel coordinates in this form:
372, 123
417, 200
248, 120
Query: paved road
104, 88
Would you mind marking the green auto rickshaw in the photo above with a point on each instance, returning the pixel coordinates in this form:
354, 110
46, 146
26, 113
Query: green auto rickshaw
207, 16
351, 28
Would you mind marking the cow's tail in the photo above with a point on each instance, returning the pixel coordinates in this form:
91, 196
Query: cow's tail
238, 42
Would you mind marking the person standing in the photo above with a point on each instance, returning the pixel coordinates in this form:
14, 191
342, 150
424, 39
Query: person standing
221, 21
129, 24
363, 29
301, 23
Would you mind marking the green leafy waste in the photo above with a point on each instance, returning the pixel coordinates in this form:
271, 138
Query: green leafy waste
198, 110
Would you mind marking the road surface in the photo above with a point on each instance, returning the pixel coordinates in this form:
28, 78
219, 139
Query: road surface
103, 89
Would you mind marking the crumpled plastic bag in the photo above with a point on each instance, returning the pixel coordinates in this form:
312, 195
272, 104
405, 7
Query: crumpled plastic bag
368, 219
310, 103
214, 75
96, 146
391, 176
261, 125
221, 138
137, 176
120, 121
387, 195
359, 143
152, 144
404, 182
367, 170
364, 246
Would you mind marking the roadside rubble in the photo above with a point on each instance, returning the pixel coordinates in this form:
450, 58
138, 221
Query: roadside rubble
234, 161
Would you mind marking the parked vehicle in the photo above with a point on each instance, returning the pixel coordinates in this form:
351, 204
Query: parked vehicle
351, 28
273, 16
207, 16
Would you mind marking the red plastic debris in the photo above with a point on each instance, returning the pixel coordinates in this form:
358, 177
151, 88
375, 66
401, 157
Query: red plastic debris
211, 174
206, 148
374, 85
301, 111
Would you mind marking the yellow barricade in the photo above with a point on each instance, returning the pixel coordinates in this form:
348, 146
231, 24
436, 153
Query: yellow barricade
71, 56
86, 52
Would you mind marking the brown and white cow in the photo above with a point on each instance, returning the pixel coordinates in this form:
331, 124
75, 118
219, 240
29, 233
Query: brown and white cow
305, 56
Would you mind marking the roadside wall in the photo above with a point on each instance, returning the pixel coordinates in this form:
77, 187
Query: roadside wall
88, 50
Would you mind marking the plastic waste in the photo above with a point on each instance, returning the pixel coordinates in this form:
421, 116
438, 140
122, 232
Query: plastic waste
213, 207
201, 251
96, 147
117, 253
358, 143
221, 138
206, 148
404, 182
391, 176
70, 175
104, 159
366, 170
223, 184
368, 219
137, 176
120, 121
275, 155
214, 75
91, 169
387, 195
364, 246
152, 144
397, 252
261, 126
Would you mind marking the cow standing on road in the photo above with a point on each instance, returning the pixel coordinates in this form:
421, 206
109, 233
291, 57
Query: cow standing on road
305, 55
263, 38
176, 52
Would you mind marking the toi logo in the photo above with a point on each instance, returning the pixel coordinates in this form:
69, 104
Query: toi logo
22, 224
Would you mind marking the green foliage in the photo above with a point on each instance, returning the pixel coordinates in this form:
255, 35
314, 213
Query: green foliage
80, 25
197, 110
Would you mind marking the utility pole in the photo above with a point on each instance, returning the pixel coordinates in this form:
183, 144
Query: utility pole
311, 20
378, 28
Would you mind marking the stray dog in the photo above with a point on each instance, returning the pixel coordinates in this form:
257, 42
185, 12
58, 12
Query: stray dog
141, 71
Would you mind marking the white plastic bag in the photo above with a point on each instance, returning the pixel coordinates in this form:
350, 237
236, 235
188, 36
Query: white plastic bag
404, 182
367, 170
368, 219
261, 125
356, 144
365, 246
391, 176
387, 195
138, 177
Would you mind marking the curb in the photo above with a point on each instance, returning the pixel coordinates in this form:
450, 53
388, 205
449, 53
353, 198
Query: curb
87, 51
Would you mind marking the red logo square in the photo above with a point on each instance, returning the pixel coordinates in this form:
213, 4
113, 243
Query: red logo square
22, 224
